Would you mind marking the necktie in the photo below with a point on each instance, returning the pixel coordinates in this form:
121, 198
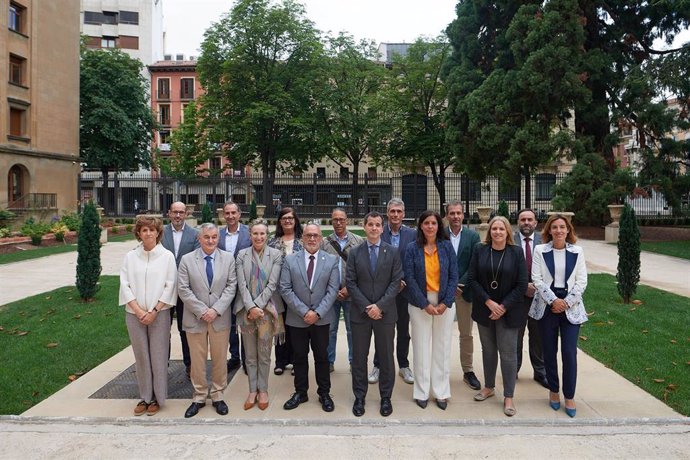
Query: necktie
528, 257
310, 269
209, 269
373, 257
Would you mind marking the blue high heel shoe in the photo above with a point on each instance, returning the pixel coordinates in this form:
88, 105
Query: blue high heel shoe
555, 405
570, 411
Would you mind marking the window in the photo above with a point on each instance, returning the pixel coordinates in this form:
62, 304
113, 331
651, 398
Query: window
17, 121
546, 184
215, 163
17, 66
16, 19
93, 42
471, 189
128, 42
93, 17
164, 111
163, 88
344, 173
129, 17
320, 173
164, 137
109, 17
108, 42
371, 173
15, 180
187, 88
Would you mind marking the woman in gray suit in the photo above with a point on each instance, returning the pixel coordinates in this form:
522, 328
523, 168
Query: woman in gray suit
258, 308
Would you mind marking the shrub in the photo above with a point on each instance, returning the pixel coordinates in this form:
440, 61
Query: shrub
71, 220
35, 230
628, 273
5, 216
59, 230
503, 209
206, 214
5, 232
129, 228
89, 253
252, 211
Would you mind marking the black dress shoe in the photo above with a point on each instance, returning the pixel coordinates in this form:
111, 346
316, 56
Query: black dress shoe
221, 407
233, 364
358, 407
470, 379
386, 407
327, 403
541, 379
442, 403
295, 400
421, 402
193, 409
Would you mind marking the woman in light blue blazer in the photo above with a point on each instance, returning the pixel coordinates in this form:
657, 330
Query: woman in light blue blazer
559, 275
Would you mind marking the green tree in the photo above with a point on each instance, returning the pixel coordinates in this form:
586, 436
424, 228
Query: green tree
628, 272
258, 66
190, 147
252, 211
418, 96
89, 253
532, 81
206, 214
116, 121
350, 113
503, 209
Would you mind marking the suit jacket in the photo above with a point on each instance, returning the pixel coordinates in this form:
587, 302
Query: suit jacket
189, 241
415, 274
536, 239
512, 284
198, 296
468, 240
543, 269
380, 287
243, 239
407, 236
352, 242
271, 262
299, 298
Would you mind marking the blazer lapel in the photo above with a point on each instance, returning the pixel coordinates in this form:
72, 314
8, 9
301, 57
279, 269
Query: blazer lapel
201, 265
570, 261
548, 260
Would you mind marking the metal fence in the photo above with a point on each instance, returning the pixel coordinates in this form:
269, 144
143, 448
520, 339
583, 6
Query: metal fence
315, 196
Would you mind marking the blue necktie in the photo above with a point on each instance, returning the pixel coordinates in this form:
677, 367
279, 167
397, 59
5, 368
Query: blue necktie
372, 258
209, 269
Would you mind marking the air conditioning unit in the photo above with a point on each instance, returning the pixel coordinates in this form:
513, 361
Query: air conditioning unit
167, 57
179, 57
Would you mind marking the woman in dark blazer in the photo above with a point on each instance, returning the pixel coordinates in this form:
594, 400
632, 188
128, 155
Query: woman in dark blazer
498, 279
431, 274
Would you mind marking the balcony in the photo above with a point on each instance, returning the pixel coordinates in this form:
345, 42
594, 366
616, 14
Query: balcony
34, 201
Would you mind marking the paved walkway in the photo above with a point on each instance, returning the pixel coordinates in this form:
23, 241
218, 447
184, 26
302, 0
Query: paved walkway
618, 418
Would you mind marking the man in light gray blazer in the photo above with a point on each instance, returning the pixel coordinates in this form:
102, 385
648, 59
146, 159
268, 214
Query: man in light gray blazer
180, 239
374, 271
527, 238
309, 284
206, 284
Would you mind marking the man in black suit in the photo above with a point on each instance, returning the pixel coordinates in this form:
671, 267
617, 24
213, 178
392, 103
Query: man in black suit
527, 238
398, 236
374, 271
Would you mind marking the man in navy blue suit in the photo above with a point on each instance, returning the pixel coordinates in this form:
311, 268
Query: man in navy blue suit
398, 236
233, 238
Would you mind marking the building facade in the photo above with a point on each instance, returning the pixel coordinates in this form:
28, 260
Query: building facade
39, 102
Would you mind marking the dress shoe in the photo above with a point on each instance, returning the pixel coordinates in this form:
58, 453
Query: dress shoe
327, 403
509, 410
386, 407
358, 407
571, 411
250, 402
221, 407
188, 370
483, 397
406, 374
233, 364
422, 402
263, 405
140, 408
278, 370
295, 400
541, 380
193, 409
154, 408
331, 368
442, 403
555, 404
470, 379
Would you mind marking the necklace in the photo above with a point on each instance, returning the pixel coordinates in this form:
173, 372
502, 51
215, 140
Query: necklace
494, 283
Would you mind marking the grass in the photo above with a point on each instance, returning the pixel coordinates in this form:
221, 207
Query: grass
47, 338
647, 343
669, 248
51, 250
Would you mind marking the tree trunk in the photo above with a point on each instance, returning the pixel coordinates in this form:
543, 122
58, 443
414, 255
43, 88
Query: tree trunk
355, 189
104, 191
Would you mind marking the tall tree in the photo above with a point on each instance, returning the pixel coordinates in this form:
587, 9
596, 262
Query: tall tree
532, 80
628, 271
257, 67
116, 122
349, 109
89, 253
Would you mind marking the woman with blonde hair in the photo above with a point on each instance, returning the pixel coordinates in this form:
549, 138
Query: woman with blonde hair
498, 279
148, 289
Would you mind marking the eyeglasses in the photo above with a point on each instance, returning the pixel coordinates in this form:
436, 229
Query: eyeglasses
178, 212
287, 218
311, 236
338, 220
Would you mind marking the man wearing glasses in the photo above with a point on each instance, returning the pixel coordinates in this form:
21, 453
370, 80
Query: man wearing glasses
309, 284
180, 239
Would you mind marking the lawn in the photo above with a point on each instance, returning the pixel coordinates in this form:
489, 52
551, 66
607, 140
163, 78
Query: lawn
670, 248
47, 338
647, 343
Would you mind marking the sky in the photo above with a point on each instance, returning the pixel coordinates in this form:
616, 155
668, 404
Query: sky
391, 21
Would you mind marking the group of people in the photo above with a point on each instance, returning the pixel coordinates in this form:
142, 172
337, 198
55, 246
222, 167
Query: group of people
398, 284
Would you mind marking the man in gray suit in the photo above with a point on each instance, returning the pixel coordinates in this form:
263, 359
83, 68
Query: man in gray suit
374, 271
309, 284
180, 239
207, 285
527, 238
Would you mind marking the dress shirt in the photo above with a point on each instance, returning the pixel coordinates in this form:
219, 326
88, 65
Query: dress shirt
177, 238
306, 263
455, 239
231, 239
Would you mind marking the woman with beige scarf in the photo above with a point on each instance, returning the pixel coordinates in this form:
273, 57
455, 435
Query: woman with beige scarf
258, 309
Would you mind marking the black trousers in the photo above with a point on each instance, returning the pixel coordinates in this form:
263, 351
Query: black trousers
302, 338
536, 355
383, 344
179, 312
402, 342
284, 351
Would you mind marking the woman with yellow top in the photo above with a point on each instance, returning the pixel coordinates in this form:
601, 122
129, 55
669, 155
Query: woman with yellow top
431, 274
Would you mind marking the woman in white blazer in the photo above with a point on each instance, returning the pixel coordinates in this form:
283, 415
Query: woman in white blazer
559, 275
258, 308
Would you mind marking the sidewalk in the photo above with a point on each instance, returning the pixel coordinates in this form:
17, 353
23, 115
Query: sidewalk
617, 417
